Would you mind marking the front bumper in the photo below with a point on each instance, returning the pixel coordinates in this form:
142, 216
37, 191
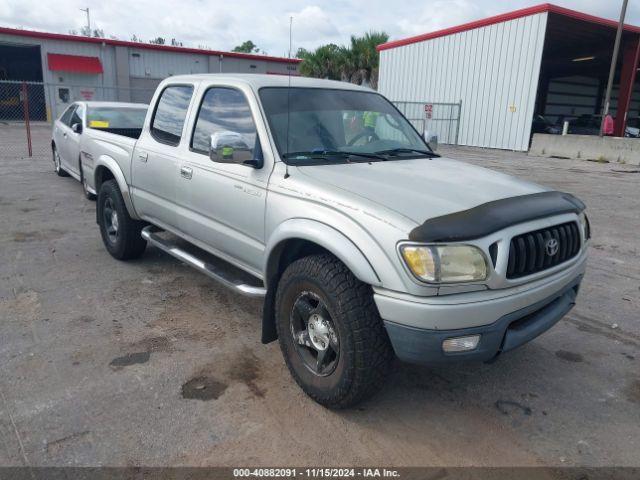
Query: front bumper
417, 329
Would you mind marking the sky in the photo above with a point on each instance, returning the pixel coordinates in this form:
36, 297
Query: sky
221, 25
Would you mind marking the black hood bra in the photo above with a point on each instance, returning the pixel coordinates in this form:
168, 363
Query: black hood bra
490, 217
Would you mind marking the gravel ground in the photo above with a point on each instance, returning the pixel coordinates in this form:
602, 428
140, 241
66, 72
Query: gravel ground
103, 362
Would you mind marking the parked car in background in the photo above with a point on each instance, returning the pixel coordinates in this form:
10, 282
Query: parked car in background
78, 127
541, 124
323, 199
589, 124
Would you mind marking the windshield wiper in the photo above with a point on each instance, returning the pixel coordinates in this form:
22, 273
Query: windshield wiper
397, 151
336, 153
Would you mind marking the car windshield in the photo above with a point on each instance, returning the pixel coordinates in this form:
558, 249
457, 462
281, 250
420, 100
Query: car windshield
312, 125
116, 118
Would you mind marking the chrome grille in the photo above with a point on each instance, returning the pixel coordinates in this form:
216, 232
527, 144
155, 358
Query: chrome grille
536, 251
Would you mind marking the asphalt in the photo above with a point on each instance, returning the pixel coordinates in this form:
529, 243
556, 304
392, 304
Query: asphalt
151, 363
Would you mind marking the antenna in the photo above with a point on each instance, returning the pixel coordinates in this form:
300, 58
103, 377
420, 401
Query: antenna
286, 165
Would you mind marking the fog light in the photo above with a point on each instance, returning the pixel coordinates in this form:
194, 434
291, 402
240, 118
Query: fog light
460, 344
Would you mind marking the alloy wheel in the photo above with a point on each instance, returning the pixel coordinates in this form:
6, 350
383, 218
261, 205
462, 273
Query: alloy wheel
315, 337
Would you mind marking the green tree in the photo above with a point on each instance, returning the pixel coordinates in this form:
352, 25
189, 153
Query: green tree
323, 62
247, 47
158, 41
357, 63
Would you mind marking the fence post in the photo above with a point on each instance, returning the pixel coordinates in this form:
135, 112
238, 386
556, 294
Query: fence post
458, 122
25, 107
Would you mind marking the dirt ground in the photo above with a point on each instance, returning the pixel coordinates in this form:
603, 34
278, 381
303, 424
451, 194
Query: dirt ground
151, 363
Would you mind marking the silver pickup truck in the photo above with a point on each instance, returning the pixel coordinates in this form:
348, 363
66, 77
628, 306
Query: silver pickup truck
322, 198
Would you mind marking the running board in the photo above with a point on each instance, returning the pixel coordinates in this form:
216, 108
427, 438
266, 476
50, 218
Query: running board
226, 278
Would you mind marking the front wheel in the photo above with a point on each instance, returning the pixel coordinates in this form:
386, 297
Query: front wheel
121, 234
57, 164
330, 332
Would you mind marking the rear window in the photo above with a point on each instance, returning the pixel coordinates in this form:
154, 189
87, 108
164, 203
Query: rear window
170, 114
115, 117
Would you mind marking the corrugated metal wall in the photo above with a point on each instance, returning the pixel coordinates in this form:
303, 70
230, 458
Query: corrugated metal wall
493, 70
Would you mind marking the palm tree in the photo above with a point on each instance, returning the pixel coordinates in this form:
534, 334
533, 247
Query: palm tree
366, 58
323, 62
357, 63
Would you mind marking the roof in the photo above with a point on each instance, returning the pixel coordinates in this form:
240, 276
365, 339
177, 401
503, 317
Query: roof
505, 17
258, 80
139, 45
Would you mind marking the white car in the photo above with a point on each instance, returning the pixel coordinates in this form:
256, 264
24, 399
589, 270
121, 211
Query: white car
73, 132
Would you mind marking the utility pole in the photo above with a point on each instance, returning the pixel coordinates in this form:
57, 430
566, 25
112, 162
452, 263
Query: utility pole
612, 70
86, 10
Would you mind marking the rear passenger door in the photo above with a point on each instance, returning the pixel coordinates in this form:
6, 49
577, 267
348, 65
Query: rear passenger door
222, 205
61, 133
155, 164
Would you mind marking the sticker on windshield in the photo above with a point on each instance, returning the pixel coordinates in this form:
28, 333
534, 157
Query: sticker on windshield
98, 124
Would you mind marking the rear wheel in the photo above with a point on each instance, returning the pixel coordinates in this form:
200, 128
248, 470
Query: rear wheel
57, 164
85, 185
120, 233
330, 333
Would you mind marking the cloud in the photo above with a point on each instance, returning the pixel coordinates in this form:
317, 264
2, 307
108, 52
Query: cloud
225, 24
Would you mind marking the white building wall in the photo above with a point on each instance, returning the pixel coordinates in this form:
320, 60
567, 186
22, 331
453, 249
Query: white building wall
492, 70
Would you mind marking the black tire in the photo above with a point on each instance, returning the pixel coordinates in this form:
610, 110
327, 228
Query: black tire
57, 163
364, 352
85, 188
126, 243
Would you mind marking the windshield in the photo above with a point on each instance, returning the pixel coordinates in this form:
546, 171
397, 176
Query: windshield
336, 126
115, 117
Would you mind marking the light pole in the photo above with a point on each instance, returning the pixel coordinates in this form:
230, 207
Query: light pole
86, 10
612, 70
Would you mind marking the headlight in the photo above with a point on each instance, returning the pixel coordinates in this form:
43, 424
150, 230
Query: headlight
586, 228
445, 263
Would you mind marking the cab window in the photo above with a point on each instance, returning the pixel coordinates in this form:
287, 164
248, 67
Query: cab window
224, 110
170, 114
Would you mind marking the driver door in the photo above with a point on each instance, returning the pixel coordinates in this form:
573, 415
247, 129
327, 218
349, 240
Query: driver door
222, 205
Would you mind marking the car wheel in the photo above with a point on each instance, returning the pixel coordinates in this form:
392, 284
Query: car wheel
85, 185
57, 164
120, 233
330, 332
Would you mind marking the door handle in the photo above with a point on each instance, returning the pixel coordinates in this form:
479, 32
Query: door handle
143, 156
186, 172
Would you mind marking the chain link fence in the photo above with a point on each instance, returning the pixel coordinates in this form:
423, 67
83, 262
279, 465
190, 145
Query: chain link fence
28, 109
442, 119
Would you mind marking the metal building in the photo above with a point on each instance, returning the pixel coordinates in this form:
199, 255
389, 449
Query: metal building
510, 72
63, 68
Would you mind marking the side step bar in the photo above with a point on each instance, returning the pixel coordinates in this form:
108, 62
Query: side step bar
150, 234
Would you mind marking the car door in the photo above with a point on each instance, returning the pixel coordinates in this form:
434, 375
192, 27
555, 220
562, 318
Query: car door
222, 205
61, 134
155, 160
73, 141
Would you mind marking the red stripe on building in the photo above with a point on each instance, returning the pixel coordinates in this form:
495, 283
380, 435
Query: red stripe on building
145, 46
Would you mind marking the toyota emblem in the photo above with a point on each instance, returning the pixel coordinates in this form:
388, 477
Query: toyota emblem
551, 247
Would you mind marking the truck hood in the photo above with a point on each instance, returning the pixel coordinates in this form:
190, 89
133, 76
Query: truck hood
421, 189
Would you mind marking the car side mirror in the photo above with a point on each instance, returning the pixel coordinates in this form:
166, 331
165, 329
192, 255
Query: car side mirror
76, 128
231, 147
431, 139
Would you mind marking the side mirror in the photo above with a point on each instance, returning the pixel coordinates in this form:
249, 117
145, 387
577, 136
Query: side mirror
231, 147
76, 127
431, 139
